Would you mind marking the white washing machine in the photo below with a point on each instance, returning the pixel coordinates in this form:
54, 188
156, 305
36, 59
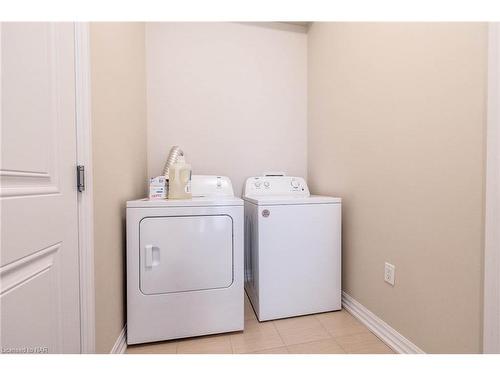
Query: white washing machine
185, 264
292, 248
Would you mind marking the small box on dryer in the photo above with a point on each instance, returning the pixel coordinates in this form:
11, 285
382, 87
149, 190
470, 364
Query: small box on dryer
158, 187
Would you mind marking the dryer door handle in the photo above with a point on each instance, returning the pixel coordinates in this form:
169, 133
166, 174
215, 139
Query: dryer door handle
152, 255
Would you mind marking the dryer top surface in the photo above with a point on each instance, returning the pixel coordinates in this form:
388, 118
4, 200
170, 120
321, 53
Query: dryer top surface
194, 202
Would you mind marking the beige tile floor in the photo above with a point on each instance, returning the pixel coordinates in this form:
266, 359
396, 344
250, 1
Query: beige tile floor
329, 333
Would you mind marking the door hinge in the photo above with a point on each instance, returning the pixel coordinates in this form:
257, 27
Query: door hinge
80, 178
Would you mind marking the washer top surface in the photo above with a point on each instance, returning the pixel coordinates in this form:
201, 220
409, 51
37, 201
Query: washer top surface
194, 202
287, 200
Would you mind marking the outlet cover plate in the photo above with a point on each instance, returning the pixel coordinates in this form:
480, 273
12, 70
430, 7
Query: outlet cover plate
389, 273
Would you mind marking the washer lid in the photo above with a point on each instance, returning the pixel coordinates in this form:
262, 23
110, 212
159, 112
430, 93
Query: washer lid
287, 200
194, 202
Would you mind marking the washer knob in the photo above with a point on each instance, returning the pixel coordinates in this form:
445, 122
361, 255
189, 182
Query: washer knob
266, 184
295, 184
257, 184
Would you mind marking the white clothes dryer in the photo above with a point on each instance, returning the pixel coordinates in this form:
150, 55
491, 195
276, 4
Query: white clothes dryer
185, 264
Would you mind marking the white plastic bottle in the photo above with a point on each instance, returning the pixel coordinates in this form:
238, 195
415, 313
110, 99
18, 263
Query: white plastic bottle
179, 184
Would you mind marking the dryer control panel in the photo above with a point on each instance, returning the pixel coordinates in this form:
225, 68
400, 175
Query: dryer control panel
211, 186
276, 185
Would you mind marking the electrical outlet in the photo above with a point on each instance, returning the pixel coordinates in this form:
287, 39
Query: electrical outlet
389, 273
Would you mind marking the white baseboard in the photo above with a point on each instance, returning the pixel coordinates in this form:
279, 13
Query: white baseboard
381, 329
121, 342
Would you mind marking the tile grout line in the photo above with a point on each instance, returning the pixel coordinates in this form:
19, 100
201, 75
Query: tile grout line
274, 326
279, 334
307, 342
334, 337
231, 341
327, 331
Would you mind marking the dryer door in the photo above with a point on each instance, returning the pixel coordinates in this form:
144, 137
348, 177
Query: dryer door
185, 253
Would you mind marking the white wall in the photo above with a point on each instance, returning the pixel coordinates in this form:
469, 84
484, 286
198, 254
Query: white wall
233, 96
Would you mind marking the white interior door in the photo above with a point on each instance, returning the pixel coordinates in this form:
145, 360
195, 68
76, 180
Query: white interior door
39, 271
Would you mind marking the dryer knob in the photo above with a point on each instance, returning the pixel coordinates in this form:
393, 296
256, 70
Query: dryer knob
295, 184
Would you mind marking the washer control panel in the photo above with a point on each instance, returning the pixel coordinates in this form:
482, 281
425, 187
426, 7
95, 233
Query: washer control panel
276, 185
